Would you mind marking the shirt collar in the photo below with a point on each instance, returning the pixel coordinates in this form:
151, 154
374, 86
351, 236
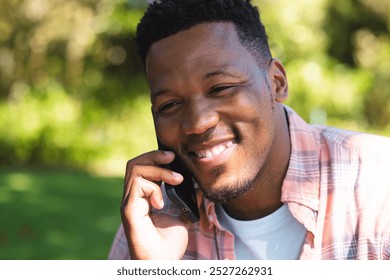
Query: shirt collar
301, 184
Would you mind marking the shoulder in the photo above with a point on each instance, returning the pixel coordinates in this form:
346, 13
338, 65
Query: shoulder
350, 138
345, 144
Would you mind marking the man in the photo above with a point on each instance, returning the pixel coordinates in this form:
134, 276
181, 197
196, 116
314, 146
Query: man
269, 185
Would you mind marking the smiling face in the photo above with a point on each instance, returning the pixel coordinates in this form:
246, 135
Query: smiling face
214, 107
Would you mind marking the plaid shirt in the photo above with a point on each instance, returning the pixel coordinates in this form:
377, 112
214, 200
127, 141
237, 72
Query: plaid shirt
337, 185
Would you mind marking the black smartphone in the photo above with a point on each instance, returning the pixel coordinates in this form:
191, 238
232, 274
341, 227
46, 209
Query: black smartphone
182, 195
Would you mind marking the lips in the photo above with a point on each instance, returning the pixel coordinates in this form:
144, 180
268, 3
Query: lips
213, 151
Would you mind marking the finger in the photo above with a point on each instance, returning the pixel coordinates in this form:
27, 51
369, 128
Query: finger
143, 194
155, 158
142, 177
156, 174
153, 174
136, 208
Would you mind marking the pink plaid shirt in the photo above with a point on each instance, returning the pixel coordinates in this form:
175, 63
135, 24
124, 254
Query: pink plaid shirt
337, 185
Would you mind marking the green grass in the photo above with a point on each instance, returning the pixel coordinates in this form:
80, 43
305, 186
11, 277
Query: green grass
57, 215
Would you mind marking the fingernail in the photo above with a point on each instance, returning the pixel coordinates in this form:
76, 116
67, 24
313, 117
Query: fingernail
176, 174
168, 152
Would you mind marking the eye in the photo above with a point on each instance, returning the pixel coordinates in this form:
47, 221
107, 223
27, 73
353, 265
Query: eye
168, 106
221, 89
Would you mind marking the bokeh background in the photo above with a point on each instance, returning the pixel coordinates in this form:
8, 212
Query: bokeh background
74, 105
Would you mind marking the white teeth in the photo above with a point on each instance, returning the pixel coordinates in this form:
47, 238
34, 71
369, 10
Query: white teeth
214, 151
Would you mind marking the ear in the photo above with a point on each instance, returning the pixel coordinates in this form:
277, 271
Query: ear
277, 73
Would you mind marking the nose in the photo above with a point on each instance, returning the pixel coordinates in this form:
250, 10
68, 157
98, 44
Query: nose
199, 117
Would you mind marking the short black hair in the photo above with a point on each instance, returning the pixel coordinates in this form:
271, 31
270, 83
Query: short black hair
168, 17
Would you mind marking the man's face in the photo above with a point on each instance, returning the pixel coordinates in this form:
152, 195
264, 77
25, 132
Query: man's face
213, 106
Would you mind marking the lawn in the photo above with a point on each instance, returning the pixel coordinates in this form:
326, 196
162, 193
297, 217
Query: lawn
57, 215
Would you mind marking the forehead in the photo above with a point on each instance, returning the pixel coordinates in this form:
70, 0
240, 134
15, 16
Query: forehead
189, 56
204, 42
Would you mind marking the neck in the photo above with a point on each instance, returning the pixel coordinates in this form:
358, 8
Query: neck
265, 196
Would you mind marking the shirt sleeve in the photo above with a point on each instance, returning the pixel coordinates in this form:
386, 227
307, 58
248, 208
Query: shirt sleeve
119, 249
386, 250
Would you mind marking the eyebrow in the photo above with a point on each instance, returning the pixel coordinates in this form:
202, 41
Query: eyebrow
219, 72
154, 95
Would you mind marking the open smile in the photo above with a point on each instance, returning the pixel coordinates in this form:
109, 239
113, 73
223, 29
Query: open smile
213, 151
216, 154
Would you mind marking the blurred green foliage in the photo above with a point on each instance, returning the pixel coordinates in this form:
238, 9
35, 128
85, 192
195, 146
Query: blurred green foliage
73, 93
72, 87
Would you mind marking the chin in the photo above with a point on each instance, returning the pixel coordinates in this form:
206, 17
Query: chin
225, 192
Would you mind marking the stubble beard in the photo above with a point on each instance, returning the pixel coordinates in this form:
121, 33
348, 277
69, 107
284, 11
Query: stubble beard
229, 192
223, 194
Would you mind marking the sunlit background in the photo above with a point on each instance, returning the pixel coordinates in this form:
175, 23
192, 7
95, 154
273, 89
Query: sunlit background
74, 105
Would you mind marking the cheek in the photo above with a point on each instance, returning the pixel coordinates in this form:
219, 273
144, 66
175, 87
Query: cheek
257, 129
254, 102
167, 134
255, 112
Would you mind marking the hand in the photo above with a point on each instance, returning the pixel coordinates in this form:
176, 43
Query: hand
151, 236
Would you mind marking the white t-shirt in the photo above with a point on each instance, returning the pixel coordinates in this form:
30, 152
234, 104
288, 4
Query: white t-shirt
278, 236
